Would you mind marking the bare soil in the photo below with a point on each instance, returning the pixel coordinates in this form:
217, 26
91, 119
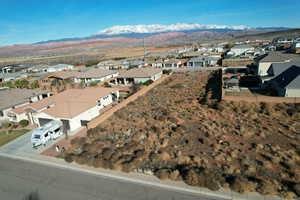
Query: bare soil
178, 131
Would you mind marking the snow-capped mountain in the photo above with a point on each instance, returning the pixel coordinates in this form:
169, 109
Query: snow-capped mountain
159, 28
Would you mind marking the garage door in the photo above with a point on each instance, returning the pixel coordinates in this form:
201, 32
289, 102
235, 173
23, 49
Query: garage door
44, 121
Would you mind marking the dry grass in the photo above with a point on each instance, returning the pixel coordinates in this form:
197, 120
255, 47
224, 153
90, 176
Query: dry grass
243, 146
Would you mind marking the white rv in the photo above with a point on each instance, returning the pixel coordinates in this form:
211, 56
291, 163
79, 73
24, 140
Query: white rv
50, 131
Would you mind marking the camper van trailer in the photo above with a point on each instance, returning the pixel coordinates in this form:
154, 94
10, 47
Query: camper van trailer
49, 131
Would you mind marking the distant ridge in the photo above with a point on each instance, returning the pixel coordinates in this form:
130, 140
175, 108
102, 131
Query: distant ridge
143, 31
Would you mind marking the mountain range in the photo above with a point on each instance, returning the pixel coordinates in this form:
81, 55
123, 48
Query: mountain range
145, 31
118, 37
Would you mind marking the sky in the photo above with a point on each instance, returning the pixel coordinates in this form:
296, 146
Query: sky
29, 21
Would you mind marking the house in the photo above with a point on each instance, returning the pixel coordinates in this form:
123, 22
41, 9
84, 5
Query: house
266, 61
136, 63
171, 63
11, 98
88, 76
13, 68
58, 68
138, 75
38, 68
94, 75
158, 63
296, 47
114, 64
74, 107
193, 54
4, 77
240, 49
284, 78
59, 77
219, 49
203, 61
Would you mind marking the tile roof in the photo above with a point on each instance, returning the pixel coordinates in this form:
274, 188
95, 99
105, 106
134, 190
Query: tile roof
140, 72
242, 46
69, 103
15, 96
61, 66
95, 73
172, 61
64, 74
90, 73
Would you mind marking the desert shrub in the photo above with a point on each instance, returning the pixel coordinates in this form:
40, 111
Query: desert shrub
78, 142
162, 174
34, 84
134, 88
177, 86
7, 125
98, 163
175, 175
242, 185
106, 84
68, 158
191, 177
203, 178
167, 71
266, 108
149, 82
23, 123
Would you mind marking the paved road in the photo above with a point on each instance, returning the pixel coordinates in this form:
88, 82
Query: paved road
19, 179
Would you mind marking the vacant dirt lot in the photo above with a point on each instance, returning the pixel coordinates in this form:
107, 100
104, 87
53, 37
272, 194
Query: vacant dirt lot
178, 131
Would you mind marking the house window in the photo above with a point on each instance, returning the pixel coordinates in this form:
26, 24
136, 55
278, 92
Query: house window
1, 113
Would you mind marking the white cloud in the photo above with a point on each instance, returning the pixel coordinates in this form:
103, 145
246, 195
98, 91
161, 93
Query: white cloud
157, 28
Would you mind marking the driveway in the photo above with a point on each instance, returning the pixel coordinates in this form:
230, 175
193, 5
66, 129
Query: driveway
21, 146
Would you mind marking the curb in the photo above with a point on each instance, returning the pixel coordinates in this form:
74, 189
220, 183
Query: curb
207, 194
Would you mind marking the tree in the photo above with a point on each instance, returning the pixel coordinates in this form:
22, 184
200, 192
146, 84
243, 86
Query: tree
93, 83
22, 83
91, 63
9, 84
228, 46
149, 82
34, 84
23, 123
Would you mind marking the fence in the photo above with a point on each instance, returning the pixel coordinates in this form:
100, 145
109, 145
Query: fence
257, 99
196, 69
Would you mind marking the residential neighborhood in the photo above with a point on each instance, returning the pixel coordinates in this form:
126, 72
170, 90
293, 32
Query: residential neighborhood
154, 100
12, 98
74, 107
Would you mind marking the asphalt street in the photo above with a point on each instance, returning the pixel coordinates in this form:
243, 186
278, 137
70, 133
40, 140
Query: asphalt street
21, 179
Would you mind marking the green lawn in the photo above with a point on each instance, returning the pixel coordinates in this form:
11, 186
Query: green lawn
7, 136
